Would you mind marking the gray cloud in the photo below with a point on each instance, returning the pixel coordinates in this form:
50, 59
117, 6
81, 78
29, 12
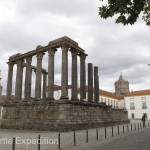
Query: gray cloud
114, 48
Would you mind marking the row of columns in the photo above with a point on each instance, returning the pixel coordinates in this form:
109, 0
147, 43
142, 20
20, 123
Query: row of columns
64, 76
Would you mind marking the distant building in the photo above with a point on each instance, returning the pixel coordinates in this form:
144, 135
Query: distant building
105, 96
121, 86
137, 103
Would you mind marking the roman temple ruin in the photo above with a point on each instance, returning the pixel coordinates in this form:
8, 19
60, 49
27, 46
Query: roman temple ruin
43, 112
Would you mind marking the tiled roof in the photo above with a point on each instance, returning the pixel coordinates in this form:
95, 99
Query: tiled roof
109, 94
137, 93
101, 92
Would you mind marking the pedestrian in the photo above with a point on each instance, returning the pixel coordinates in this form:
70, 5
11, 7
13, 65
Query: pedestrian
143, 120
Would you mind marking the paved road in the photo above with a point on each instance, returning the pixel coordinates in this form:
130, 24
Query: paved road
139, 140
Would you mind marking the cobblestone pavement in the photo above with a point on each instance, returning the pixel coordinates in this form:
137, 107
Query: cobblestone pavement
67, 139
135, 141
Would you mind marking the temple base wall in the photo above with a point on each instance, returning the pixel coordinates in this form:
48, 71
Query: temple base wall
60, 115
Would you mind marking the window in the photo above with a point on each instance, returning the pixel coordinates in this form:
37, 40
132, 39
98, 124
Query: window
143, 98
132, 116
131, 99
145, 115
132, 107
144, 106
108, 102
117, 104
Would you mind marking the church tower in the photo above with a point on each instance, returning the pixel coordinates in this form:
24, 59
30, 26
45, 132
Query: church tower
121, 86
0, 85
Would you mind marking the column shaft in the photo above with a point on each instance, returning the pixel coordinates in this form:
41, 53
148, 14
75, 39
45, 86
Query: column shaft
9, 80
64, 73
44, 84
74, 87
38, 76
51, 74
19, 77
96, 85
82, 77
90, 82
28, 78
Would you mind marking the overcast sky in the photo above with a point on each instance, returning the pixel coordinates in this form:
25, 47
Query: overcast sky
114, 48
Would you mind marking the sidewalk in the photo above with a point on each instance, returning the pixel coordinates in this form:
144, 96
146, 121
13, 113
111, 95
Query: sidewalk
81, 143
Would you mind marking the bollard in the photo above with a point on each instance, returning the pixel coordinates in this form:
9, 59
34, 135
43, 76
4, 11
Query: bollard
13, 144
131, 127
87, 136
138, 126
123, 129
118, 130
97, 134
112, 131
39, 142
141, 125
148, 124
105, 133
59, 140
127, 128
74, 138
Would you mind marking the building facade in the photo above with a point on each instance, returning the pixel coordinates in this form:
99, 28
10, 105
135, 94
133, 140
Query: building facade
137, 103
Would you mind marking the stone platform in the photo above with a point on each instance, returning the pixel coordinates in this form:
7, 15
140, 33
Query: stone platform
62, 115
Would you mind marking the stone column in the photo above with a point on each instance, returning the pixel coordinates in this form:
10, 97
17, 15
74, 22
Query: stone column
90, 82
82, 76
74, 86
28, 78
44, 84
9, 80
51, 53
19, 77
96, 85
38, 76
64, 73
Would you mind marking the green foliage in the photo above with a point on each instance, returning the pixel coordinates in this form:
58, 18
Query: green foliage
127, 11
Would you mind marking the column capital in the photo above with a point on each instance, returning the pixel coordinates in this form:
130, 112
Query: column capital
52, 51
39, 56
11, 63
20, 62
74, 52
29, 59
83, 56
65, 48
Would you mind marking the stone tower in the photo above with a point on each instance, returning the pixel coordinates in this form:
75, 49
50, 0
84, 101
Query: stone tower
121, 86
0, 85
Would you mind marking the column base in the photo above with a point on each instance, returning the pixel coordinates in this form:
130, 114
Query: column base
50, 98
74, 99
64, 97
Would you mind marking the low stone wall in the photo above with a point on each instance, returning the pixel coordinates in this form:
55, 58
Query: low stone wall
60, 115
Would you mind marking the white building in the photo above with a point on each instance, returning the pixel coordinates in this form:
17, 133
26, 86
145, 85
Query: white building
137, 103
105, 96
